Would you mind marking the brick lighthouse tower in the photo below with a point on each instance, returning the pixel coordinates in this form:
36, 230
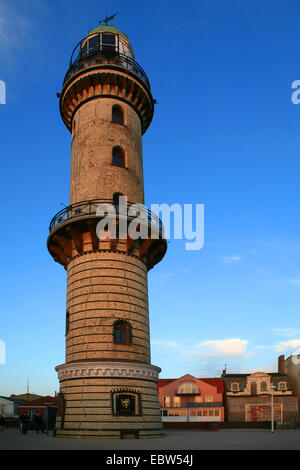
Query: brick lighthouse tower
107, 383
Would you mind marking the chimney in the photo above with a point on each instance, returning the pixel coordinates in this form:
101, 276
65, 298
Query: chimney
281, 365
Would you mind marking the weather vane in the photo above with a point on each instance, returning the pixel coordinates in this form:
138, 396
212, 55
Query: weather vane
107, 19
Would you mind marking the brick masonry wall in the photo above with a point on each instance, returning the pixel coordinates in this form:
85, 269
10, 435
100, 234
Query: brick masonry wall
236, 406
88, 410
93, 137
102, 288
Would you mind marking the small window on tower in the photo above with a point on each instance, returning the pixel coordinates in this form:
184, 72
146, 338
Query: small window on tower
122, 332
117, 115
118, 157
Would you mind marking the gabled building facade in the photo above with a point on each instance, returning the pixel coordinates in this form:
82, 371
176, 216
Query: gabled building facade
291, 367
190, 399
248, 398
9, 406
41, 405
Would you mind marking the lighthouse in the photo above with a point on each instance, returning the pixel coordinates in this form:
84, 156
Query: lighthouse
108, 386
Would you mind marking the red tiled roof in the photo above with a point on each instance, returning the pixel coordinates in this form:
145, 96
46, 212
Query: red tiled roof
43, 401
163, 382
215, 382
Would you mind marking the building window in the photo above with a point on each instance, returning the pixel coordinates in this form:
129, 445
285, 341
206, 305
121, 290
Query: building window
176, 401
198, 399
117, 202
209, 399
166, 402
118, 158
117, 115
67, 322
253, 388
282, 386
217, 412
122, 332
263, 387
188, 387
235, 387
93, 46
108, 42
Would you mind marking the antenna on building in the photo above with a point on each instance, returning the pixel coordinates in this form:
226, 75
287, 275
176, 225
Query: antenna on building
224, 370
107, 19
28, 388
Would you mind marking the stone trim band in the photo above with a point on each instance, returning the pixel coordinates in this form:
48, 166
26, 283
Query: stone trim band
105, 369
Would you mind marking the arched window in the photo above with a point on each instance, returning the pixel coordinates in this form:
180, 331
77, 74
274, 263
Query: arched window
118, 157
263, 387
122, 332
253, 388
188, 387
116, 201
117, 114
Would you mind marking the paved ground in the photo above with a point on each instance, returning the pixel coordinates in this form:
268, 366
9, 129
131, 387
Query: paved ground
12, 439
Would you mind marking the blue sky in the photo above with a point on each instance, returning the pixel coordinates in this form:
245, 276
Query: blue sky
225, 134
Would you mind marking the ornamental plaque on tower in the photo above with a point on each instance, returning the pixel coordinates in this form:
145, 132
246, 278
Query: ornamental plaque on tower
107, 383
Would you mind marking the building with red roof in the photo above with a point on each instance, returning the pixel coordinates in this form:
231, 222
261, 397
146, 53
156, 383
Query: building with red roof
190, 400
42, 405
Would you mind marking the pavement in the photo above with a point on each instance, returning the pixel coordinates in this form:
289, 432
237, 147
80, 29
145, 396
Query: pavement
13, 439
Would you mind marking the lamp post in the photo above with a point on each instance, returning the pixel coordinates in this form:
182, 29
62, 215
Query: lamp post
47, 416
272, 387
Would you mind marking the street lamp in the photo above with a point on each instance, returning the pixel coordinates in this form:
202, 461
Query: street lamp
272, 387
47, 403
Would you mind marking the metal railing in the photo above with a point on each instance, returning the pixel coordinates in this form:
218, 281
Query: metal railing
107, 56
90, 208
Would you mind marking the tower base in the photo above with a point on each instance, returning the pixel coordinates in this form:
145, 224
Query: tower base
108, 400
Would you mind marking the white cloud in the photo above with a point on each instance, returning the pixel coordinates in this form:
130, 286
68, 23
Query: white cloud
227, 347
288, 345
231, 259
288, 332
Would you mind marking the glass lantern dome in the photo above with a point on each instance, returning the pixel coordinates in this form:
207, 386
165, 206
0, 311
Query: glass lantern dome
105, 45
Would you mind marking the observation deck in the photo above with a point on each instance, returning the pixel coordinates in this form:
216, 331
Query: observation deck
73, 231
